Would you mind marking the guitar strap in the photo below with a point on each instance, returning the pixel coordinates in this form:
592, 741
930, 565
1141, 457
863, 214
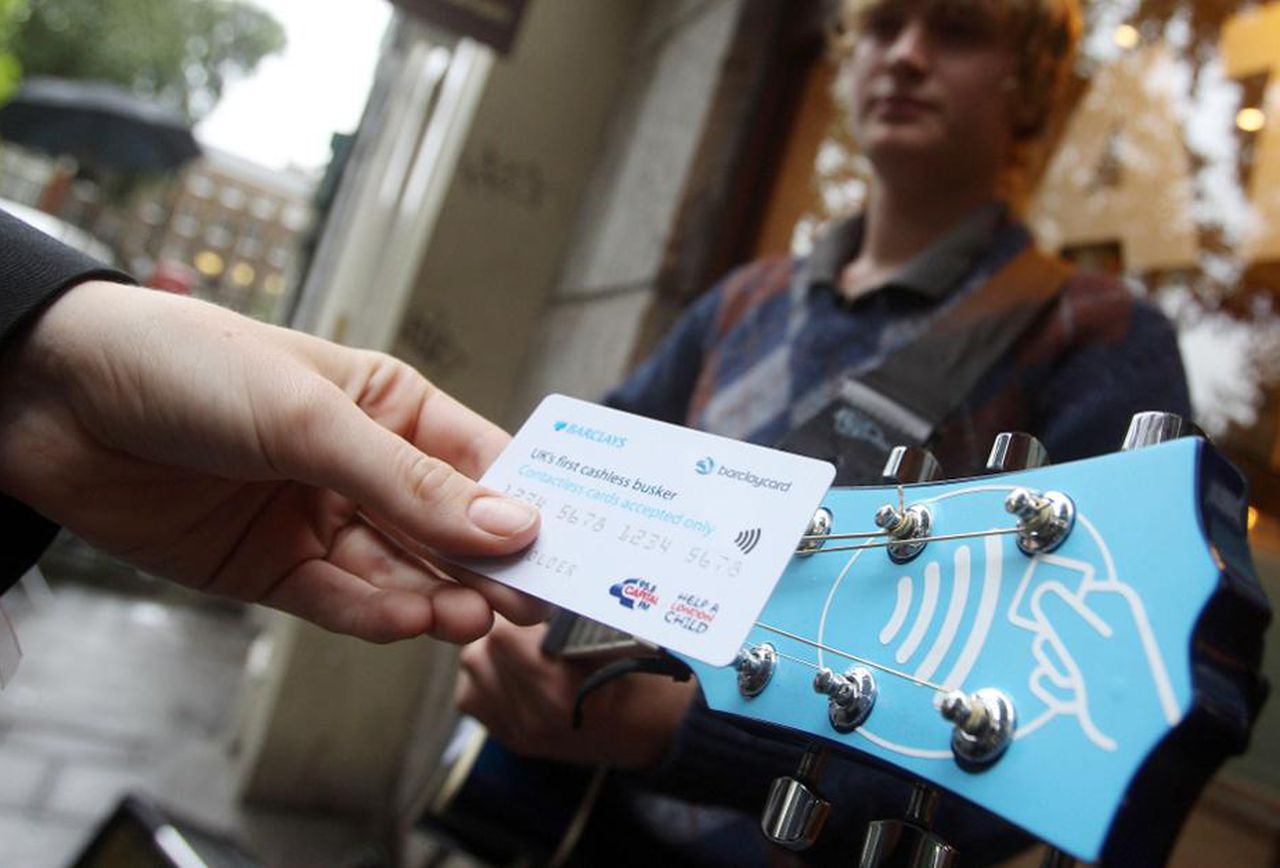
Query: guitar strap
903, 399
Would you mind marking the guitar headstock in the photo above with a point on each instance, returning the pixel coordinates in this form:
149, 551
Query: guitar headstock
1048, 644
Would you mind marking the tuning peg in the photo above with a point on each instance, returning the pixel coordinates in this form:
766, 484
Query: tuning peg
755, 667
819, 527
1153, 426
1016, 450
908, 464
852, 696
794, 813
1044, 520
908, 841
984, 725
908, 526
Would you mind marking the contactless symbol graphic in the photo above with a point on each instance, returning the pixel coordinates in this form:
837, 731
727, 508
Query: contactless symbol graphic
747, 539
705, 465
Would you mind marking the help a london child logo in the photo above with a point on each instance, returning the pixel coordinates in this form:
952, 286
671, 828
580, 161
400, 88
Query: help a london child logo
692, 613
635, 594
573, 429
708, 466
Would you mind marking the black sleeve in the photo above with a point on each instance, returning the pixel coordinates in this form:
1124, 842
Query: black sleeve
34, 270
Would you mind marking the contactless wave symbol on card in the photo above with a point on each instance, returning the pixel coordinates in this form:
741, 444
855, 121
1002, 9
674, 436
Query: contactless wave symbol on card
705, 465
747, 539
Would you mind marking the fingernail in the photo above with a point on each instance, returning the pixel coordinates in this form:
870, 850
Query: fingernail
500, 516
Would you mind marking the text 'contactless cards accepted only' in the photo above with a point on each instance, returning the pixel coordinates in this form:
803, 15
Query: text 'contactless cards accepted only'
674, 535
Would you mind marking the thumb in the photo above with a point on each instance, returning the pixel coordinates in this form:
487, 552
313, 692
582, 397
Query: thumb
422, 496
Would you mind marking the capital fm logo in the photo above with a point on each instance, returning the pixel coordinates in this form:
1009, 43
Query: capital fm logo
635, 594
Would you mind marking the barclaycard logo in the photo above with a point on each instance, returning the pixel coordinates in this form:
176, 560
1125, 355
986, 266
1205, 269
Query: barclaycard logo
745, 476
705, 465
635, 594
617, 441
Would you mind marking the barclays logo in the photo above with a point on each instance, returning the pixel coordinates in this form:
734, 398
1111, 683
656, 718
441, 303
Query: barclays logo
617, 441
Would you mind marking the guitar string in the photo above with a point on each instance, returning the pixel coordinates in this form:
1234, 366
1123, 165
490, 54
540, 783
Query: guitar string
863, 660
867, 534
909, 540
839, 653
862, 535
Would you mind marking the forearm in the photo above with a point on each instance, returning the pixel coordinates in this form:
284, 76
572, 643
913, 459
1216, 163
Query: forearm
35, 270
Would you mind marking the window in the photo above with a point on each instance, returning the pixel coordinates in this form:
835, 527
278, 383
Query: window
295, 217
232, 198
264, 208
200, 186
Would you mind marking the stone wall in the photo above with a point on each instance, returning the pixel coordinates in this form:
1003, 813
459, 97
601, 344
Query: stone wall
588, 331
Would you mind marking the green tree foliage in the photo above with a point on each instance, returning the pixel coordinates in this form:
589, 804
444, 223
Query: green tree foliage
181, 52
11, 13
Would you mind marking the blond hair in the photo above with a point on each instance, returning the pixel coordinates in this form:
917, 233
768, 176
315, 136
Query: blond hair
1043, 36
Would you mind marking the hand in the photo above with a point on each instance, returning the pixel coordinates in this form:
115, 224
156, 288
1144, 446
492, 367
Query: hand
526, 701
1087, 643
253, 461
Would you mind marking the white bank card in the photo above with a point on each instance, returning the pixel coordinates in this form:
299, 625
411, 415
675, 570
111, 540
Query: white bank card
674, 535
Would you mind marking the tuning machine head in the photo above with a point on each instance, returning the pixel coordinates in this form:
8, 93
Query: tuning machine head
1153, 426
1016, 450
755, 667
910, 464
984, 726
815, 534
907, 526
1044, 520
909, 841
795, 813
851, 696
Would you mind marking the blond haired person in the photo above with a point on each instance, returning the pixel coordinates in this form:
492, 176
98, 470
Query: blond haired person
949, 103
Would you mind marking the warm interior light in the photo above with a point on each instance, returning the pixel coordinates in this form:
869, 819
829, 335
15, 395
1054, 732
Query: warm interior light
1253, 517
273, 284
242, 274
1126, 36
1251, 119
208, 263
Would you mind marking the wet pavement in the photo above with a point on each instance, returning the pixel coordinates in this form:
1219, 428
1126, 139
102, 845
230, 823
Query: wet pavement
133, 687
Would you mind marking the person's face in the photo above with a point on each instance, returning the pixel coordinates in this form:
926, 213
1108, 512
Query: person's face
930, 83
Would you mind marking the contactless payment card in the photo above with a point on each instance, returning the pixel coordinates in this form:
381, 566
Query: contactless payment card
674, 535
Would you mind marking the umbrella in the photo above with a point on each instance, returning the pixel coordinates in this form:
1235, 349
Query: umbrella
99, 123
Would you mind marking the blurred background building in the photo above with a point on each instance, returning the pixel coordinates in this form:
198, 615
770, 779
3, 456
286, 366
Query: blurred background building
532, 221
221, 228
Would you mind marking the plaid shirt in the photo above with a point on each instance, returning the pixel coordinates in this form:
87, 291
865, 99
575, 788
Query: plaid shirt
767, 347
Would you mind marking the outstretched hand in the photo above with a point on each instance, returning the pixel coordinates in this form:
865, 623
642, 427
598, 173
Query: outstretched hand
259, 463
